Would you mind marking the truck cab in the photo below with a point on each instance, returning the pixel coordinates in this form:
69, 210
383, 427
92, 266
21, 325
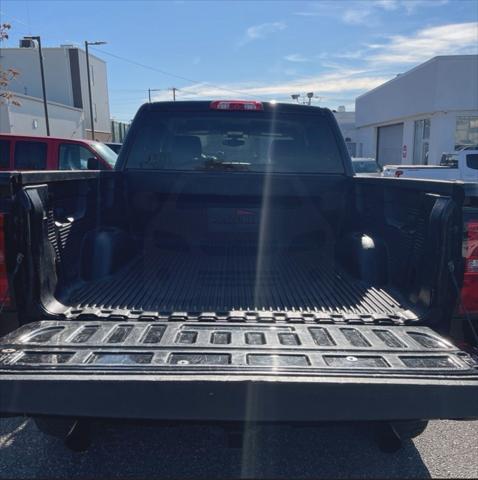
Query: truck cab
20, 152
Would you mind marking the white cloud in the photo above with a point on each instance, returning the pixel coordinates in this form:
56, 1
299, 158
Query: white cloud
357, 16
388, 4
351, 55
263, 30
378, 62
351, 12
347, 82
296, 57
365, 12
411, 6
455, 38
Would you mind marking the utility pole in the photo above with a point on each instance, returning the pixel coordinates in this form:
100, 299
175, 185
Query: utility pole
89, 85
43, 86
174, 90
152, 90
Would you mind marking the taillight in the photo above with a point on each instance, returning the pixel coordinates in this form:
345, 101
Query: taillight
472, 265
469, 292
249, 105
471, 253
4, 290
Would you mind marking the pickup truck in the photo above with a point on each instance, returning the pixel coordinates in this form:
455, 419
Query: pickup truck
233, 269
28, 152
462, 165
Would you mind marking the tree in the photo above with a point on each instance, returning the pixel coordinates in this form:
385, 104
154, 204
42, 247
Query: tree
7, 75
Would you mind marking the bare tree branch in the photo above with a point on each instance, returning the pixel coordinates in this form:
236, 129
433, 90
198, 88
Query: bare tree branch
7, 75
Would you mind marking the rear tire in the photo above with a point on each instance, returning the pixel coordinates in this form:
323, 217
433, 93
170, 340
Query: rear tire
408, 429
58, 427
74, 433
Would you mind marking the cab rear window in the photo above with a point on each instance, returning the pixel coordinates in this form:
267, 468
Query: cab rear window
235, 141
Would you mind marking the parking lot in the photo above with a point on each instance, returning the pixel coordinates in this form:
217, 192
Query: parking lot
446, 449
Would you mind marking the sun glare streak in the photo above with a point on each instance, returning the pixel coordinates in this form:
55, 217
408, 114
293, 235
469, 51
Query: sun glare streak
264, 231
252, 403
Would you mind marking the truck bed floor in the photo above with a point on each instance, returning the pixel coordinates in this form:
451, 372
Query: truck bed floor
191, 282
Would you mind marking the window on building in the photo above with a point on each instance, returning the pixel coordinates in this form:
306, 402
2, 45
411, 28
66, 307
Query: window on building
5, 154
421, 142
466, 133
72, 156
30, 155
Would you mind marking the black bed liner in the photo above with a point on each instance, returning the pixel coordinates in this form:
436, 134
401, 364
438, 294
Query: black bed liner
171, 281
231, 371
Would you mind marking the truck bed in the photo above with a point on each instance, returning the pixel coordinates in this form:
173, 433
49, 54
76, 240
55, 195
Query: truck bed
171, 281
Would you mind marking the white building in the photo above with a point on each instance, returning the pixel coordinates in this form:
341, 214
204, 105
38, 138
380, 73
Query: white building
29, 118
66, 91
422, 113
346, 121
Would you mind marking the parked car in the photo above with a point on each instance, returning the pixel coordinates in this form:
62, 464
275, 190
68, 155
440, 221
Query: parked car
233, 268
21, 152
365, 165
116, 147
462, 165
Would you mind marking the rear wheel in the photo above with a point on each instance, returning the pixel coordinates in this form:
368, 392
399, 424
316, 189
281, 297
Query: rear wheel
408, 429
59, 427
73, 432
391, 435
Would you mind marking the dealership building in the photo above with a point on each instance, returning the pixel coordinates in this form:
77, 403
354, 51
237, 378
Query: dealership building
66, 85
422, 113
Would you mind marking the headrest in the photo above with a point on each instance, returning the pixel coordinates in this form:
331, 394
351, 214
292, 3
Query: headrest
186, 146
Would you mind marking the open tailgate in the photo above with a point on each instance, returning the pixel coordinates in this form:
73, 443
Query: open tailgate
235, 371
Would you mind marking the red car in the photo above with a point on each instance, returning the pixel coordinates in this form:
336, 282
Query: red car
19, 152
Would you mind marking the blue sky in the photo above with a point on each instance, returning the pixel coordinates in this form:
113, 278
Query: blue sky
270, 50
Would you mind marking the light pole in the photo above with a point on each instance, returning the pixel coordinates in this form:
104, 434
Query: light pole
89, 84
42, 72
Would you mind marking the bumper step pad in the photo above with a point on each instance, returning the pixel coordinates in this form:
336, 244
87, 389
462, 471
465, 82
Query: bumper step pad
177, 347
180, 370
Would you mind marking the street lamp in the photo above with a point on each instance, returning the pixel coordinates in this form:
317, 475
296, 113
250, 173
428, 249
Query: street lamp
89, 84
42, 72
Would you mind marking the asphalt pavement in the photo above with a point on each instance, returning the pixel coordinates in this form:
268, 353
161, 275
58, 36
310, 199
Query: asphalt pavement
446, 450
